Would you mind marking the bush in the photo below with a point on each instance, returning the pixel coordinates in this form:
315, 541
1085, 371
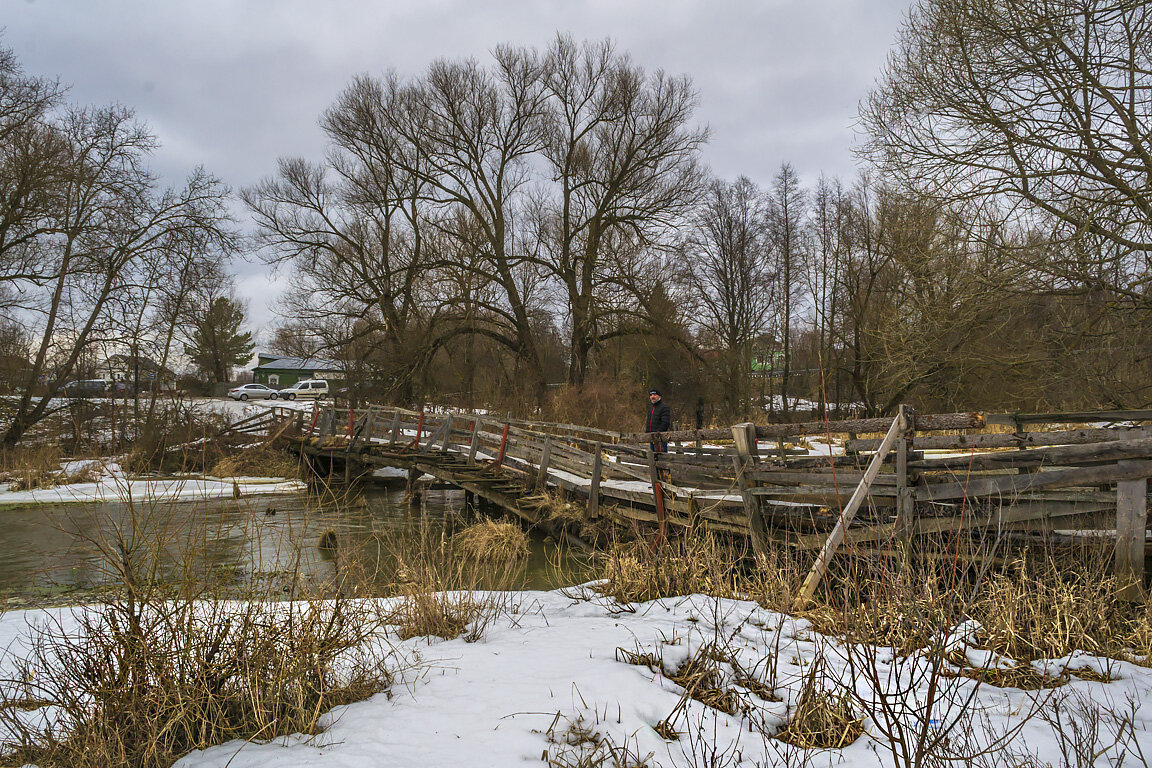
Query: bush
155, 671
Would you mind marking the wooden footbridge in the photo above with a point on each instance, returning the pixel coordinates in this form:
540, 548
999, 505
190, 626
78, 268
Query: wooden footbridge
821, 485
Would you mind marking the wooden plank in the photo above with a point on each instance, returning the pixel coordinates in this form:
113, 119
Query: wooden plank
1028, 512
1011, 485
905, 503
395, 429
474, 443
1131, 522
1019, 440
545, 457
594, 485
447, 434
926, 423
440, 432
657, 498
1113, 450
838, 533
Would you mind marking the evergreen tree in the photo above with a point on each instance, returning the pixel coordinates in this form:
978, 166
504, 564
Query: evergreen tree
217, 343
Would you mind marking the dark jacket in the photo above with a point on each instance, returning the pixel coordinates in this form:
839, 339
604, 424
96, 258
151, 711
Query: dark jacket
659, 417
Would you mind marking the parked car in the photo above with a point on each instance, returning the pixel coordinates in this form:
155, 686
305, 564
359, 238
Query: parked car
121, 389
308, 388
86, 388
252, 392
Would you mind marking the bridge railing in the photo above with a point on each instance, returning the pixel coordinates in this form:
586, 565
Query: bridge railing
1022, 474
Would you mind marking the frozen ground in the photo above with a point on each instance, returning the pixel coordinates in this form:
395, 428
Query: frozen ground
551, 680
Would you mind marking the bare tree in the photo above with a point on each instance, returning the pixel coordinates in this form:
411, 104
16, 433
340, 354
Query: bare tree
787, 201
621, 156
728, 267
1039, 109
106, 216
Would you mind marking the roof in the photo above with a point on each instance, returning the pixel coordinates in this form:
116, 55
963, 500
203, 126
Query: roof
268, 362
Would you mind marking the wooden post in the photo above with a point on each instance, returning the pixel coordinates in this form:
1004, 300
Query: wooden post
747, 455
370, 427
503, 445
395, 429
594, 486
447, 434
545, 458
419, 429
658, 499
841, 530
315, 415
1131, 521
475, 444
905, 504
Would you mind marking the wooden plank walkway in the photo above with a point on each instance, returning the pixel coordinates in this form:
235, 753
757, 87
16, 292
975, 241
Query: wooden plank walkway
814, 485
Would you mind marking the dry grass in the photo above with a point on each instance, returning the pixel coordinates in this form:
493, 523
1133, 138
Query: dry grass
601, 402
822, 718
700, 677
30, 467
491, 541
1046, 608
423, 613
1040, 607
687, 565
443, 592
257, 462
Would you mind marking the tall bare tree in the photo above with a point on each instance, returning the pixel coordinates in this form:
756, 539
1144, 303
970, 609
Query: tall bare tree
622, 156
727, 263
787, 202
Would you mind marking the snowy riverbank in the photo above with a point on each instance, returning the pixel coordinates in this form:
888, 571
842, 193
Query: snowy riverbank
551, 681
108, 482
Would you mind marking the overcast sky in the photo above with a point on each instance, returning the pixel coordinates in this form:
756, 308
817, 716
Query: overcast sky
234, 84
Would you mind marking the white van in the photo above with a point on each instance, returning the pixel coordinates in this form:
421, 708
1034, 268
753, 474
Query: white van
308, 388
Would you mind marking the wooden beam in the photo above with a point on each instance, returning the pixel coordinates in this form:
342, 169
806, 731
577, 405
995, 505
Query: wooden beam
838, 533
395, 429
1070, 417
747, 456
1017, 440
1131, 522
905, 503
1012, 485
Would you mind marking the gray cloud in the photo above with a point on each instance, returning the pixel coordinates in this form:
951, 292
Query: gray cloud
234, 85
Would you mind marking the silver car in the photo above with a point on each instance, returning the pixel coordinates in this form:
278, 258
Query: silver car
253, 392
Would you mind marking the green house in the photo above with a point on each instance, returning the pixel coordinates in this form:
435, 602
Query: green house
278, 371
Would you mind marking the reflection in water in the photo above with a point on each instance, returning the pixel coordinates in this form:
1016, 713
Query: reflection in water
255, 542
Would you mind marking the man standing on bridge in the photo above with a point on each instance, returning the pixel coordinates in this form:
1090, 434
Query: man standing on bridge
659, 418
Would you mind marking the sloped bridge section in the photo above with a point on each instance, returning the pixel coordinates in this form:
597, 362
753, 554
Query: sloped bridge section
862, 483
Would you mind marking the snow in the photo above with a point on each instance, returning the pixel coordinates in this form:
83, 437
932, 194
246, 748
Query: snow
558, 659
114, 485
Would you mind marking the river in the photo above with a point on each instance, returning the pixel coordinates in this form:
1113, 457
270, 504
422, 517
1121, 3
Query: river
266, 544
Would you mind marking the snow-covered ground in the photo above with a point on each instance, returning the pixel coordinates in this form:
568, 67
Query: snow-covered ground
112, 484
552, 680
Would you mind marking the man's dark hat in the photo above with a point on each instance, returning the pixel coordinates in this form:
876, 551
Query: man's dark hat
653, 391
